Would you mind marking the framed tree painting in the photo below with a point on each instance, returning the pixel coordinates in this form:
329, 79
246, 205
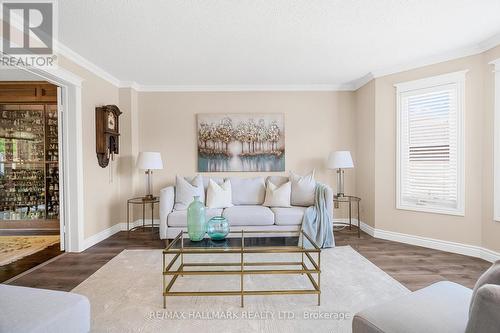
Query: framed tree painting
241, 142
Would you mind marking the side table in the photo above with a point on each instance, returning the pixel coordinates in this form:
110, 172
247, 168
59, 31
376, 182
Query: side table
349, 199
144, 201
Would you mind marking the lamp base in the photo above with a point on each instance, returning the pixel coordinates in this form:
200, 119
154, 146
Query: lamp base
340, 182
148, 197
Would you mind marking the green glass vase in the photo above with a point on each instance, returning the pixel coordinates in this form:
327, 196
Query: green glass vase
196, 220
217, 228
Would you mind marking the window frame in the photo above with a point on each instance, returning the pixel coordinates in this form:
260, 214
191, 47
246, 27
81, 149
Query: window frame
458, 79
496, 142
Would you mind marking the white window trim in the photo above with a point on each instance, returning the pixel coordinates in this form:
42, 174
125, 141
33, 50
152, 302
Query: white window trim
457, 78
496, 144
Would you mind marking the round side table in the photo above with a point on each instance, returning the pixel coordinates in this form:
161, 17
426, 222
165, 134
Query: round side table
144, 201
349, 199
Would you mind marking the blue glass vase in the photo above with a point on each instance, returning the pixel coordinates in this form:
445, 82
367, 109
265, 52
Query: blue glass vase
196, 220
218, 228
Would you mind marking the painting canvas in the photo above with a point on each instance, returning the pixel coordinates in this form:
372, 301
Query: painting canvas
241, 142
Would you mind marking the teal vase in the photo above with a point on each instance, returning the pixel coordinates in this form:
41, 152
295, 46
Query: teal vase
196, 220
217, 228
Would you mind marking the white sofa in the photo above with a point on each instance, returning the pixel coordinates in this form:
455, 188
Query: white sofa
30, 310
248, 213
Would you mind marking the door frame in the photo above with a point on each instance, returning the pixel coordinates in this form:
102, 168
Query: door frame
72, 209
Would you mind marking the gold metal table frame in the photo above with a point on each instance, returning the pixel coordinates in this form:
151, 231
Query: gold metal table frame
309, 267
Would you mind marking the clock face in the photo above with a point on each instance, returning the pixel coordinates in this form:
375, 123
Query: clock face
111, 121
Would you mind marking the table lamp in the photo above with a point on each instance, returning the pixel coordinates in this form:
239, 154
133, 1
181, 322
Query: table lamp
340, 160
149, 161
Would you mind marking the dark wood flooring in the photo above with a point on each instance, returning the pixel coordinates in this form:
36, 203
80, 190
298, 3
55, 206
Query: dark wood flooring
19, 266
413, 266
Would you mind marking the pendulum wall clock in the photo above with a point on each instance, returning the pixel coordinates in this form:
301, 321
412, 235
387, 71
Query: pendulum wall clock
107, 126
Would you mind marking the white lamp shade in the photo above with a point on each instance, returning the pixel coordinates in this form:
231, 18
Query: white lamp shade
340, 160
149, 161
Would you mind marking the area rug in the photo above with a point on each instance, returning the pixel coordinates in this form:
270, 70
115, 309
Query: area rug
13, 248
126, 296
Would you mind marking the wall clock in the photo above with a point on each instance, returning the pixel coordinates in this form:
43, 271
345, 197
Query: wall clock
107, 128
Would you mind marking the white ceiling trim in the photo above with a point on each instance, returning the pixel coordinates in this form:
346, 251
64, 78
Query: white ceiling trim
221, 88
496, 63
350, 86
68, 53
356, 84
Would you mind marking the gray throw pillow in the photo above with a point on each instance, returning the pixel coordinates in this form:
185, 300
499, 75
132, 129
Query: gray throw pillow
491, 276
185, 190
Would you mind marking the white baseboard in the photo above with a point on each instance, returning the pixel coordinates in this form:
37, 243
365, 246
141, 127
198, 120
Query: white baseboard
437, 244
99, 237
489, 255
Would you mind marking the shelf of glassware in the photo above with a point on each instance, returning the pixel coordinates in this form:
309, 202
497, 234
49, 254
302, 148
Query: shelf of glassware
29, 191
29, 174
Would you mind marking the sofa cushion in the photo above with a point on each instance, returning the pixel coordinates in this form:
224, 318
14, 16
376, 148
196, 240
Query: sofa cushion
178, 218
303, 189
249, 215
491, 276
288, 216
248, 191
185, 190
441, 307
485, 310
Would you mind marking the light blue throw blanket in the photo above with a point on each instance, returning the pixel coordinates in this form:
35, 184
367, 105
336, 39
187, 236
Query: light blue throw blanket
317, 222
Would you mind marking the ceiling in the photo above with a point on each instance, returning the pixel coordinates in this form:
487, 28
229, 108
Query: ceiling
331, 43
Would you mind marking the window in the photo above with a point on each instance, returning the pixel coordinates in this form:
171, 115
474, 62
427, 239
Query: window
496, 158
430, 144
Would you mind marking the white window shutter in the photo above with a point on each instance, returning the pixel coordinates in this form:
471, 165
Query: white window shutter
430, 144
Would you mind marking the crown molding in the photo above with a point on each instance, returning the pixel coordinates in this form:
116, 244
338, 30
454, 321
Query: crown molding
130, 84
496, 63
71, 55
489, 43
356, 84
236, 88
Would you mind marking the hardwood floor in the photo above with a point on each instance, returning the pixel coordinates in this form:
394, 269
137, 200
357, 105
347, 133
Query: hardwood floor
413, 266
19, 266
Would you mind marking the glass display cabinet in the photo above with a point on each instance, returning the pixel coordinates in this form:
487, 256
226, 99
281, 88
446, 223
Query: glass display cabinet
29, 162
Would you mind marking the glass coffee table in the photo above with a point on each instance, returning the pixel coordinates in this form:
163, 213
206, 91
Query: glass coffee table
302, 257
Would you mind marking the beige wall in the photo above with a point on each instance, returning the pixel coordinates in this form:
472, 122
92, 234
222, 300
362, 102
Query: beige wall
315, 124
365, 150
103, 197
446, 227
477, 226
490, 228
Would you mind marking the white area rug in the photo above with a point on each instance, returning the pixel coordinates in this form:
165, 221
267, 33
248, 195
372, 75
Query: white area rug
125, 295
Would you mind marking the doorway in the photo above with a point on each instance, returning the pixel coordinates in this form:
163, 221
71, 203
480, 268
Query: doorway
31, 225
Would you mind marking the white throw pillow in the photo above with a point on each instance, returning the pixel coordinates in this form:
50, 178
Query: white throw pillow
219, 196
185, 191
303, 189
278, 196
